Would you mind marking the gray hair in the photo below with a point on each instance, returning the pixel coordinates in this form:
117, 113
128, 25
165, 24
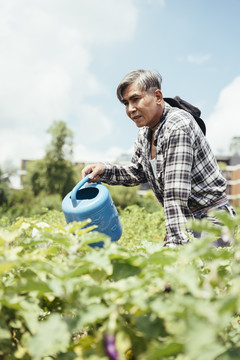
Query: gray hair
146, 80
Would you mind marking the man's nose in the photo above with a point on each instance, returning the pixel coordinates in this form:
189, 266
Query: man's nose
131, 108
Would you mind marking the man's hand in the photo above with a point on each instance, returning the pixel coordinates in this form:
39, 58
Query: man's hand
95, 170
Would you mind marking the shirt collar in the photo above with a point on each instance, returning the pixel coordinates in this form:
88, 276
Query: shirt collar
148, 132
166, 109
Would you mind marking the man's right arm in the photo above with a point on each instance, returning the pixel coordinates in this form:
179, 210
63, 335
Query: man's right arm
112, 174
129, 175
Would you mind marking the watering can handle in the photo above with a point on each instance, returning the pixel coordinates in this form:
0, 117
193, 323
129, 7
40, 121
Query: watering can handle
76, 188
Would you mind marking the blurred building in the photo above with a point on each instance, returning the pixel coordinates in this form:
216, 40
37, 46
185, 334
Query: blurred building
230, 166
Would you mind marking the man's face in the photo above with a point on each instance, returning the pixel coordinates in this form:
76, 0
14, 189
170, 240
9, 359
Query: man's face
143, 107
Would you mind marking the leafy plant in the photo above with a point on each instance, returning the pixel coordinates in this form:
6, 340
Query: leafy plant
61, 298
124, 197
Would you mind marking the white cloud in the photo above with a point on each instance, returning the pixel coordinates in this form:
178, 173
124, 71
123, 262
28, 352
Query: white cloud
223, 123
90, 155
92, 124
45, 66
20, 144
198, 59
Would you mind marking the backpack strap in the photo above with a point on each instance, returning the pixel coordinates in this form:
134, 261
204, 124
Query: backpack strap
193, 110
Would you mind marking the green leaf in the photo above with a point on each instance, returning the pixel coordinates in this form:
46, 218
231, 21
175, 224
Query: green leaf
204, 225
229, 305
202, 339
56, 238
92, 314
151, 326
162, 351
28, 285
163, 257
51, 338
122, 270
30, 313
230, 354
5, 266
4, 334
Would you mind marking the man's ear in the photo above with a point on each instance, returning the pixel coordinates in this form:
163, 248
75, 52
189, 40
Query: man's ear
158, 95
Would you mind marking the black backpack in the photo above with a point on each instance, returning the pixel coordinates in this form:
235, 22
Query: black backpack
184, 105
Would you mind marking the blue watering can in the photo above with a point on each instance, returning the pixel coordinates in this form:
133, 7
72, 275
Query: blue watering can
93, 201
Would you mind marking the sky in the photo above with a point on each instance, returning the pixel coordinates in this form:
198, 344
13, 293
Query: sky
63, 60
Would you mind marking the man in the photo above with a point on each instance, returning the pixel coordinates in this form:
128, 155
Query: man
171, 154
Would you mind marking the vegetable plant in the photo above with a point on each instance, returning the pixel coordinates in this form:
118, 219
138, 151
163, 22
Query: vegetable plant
61, 298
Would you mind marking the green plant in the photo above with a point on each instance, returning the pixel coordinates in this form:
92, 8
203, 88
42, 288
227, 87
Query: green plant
25, 203
140, 228
123, 196
63, 299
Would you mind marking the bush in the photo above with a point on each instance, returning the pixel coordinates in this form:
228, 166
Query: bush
4, 193
124, 196
19, 203
149, 202
141, 227
25, 203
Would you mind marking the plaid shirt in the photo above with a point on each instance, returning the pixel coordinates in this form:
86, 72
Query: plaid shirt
188, 179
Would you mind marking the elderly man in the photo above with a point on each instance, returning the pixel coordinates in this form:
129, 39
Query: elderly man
171, 154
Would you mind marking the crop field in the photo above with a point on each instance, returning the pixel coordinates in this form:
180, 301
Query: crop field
61, 298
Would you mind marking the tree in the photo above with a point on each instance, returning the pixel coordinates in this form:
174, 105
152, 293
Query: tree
61, 145
58, 166
54, 174
35, 177
4, 188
